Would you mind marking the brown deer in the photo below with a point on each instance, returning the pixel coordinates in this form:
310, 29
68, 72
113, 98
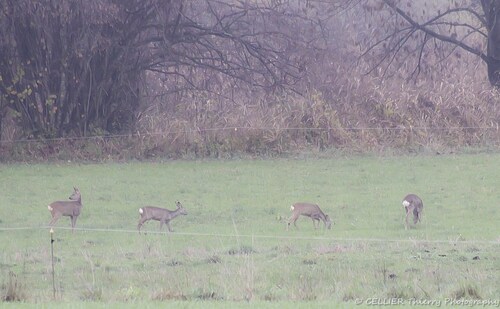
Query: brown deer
160, 214
70, 209
309, 210
413, 204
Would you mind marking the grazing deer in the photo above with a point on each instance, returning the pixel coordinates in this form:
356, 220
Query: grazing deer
309, 210
413, 204
160, 214
70, 209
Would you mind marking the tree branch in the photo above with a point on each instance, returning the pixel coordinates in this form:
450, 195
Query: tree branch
430, 32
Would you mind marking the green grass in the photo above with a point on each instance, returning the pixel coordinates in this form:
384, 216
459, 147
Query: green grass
232, 247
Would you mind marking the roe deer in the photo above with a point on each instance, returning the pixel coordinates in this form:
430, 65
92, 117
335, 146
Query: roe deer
70, 209
160, 214
413, 204
309, 210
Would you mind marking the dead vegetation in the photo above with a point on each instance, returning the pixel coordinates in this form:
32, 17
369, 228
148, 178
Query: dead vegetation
13, 290
364, 116
336, 105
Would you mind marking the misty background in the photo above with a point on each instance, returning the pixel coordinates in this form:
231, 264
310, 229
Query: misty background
127, 79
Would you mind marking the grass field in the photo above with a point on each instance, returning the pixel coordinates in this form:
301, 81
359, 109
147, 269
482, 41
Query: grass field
232, 249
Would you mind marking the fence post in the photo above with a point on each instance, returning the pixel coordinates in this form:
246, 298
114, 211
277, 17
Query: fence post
52, 260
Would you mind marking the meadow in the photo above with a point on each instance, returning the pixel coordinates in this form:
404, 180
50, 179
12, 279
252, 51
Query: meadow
233, 250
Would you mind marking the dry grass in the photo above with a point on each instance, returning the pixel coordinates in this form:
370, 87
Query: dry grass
371, 118
448, 106
13, 290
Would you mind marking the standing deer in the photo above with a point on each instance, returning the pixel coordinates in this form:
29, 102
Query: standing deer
160, 214
70, 209
309, 210
413, 204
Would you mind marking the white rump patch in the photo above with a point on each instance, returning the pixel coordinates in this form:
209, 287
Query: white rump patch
50, 208
406, 203
291, 208
141, 211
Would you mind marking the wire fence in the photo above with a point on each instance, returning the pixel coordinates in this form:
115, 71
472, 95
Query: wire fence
67, 287
185, 141
263, 236
97, 272
241, 128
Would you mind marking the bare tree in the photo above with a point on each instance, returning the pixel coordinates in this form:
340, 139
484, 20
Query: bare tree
491, 9
433, 31
77, 67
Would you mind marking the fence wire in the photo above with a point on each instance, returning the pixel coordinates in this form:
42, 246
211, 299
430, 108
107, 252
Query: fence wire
236, 128
261, 236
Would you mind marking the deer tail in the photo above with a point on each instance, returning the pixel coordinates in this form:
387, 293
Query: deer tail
291, 208
141, 211
406, 203
50, 208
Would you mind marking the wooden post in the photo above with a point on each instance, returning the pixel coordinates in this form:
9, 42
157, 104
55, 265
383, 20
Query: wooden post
52, 259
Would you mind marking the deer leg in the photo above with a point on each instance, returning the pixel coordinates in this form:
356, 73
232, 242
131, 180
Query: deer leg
139, 225
55, 217
73, 220
416, 216
168, 225
161, 224
293, 219
408, 212
73, 223
315, 222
